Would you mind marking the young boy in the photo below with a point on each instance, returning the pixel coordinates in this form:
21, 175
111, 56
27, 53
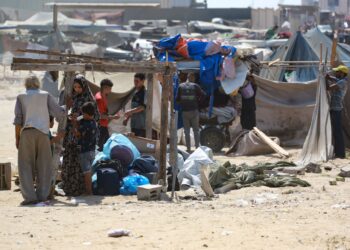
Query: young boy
86, 130
137, 112
102, 105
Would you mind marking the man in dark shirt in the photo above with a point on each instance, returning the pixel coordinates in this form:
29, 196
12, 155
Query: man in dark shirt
337, 86
138, 105
188, 97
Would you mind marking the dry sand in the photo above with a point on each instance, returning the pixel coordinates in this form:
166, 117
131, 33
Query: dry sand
250, 218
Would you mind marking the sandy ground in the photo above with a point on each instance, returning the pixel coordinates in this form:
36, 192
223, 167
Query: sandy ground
317, 217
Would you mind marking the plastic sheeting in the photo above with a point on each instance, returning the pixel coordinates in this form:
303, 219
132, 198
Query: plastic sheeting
189, 174
285, 109
318, 144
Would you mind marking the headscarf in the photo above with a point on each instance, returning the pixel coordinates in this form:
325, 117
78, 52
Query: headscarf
85, 96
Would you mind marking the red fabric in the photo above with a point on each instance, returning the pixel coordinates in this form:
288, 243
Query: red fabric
102, 108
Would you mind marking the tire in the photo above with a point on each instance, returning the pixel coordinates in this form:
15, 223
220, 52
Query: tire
213, 138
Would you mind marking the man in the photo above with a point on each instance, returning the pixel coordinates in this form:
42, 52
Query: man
50, 83
102, 105
32, 120
337, 86
138, 105
188, 96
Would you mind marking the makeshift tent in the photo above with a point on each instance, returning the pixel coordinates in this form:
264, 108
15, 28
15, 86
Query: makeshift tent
291, 122
295, 49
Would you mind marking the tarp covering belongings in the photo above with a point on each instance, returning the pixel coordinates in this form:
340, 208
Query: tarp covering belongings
248, 143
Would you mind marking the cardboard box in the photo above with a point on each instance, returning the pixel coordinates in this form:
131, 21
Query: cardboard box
145, 146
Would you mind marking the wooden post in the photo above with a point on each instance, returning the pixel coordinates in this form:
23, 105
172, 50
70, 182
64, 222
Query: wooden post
173, 139
164, 129
149, 106
334, 50
55, 17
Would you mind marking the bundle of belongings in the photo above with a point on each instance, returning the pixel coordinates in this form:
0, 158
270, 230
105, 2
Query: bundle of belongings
237, 176
120, 168
219, 65
248, 143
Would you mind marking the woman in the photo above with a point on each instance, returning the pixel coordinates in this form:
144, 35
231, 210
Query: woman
72, 175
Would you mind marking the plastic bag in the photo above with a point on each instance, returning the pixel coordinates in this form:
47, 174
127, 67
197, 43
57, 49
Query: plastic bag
131, 182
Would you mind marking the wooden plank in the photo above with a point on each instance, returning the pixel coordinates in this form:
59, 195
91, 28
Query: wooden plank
149, 106
271, 143
205, 185
33, 66
106, 6
48, 67
273, 62
30, 60
164, 129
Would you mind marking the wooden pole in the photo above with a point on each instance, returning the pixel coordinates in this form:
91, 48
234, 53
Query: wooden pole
173, 139
164, 129
334, 49
149, 106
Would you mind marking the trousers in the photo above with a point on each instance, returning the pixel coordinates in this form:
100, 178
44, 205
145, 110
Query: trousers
337, 131
191, 120
34, 163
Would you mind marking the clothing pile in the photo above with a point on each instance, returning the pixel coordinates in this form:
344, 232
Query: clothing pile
253, 176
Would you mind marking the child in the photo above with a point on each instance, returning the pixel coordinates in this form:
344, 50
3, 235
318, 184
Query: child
86, 131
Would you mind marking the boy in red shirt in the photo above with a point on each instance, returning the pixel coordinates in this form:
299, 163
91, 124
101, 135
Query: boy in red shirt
102, 104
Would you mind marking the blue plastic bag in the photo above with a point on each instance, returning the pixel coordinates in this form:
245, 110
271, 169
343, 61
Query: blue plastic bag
131, 182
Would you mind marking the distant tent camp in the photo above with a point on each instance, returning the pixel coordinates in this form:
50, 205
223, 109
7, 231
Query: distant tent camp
285, 110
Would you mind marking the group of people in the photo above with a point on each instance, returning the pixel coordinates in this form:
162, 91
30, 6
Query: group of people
189, 96
86, 128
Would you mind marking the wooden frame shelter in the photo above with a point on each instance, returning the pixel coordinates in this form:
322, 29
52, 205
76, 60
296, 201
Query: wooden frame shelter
70, 63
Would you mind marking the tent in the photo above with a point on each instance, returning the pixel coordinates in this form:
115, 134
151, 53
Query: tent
290, 117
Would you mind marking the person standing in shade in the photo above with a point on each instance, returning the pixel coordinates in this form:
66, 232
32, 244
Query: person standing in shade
50, 83
32, 118
102, 104
337, 86
248, 92
137, 112
188, 96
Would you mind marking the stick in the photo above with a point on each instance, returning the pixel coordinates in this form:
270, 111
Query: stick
271, 143
334, 49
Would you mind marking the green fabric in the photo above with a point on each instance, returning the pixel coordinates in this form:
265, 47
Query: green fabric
247, 176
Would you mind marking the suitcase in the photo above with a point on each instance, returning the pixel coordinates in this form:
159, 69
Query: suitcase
108, 182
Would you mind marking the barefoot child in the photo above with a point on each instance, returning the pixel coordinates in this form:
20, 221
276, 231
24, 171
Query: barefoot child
86, 131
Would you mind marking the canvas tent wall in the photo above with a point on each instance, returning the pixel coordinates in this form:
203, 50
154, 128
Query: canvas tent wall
301, 48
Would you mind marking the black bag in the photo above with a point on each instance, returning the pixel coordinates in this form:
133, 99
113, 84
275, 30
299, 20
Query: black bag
108, 182
145, 164
113, 164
